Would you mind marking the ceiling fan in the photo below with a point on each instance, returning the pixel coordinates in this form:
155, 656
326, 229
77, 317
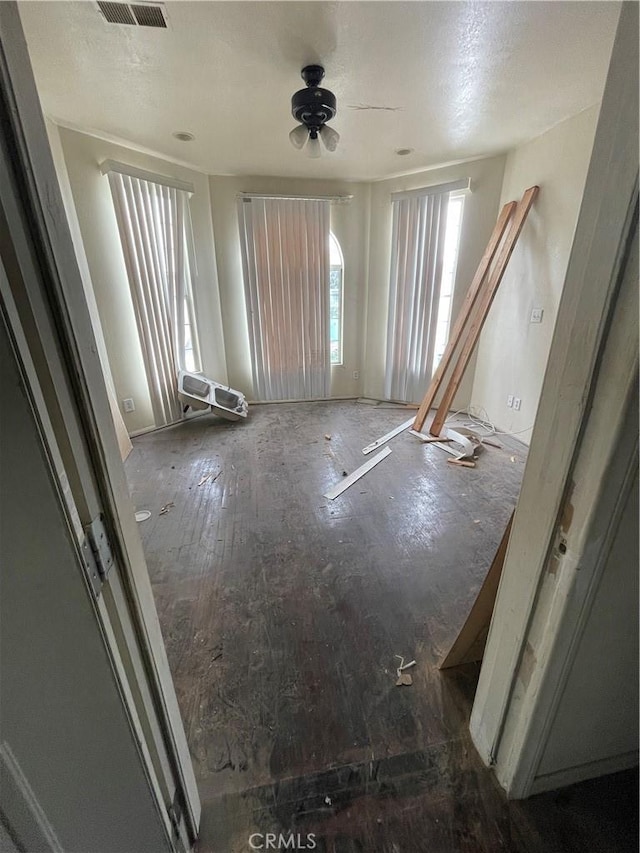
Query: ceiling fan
313, 107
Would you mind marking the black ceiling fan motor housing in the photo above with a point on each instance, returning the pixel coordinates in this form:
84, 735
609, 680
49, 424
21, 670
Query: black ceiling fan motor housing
313, 106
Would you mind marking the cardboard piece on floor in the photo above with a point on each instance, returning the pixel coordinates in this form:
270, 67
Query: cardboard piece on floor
470, 642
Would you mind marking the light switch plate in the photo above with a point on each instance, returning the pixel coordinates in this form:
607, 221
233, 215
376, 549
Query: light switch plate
536, 315
128, 405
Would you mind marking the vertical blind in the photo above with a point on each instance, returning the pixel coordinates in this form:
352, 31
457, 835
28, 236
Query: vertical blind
419, 223
285, 260
155, 226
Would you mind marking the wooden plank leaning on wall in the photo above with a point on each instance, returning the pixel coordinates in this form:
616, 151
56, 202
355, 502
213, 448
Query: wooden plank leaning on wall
465, 312
470, 642
484, 304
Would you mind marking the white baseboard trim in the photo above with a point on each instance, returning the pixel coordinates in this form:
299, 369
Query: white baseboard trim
188, 417
311, 400
193, 415
582, 772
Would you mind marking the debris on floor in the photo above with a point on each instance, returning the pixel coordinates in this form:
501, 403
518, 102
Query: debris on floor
428, 439
336, 490
142, 515
209, 476
470, 443
462, 463
328, 437
387, 437
165, 509
404, 679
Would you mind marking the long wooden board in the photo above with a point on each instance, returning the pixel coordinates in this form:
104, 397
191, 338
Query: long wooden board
339, 488
483, 306
470, 642
465, 312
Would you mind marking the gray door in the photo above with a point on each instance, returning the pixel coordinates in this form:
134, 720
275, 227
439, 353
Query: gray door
45, 306
72, 776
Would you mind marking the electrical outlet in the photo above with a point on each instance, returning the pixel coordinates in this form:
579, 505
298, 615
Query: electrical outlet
356, 374
517, 402
510, 401
128, 405
536, 315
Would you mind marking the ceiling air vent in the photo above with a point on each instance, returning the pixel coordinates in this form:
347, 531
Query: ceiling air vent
116, 13
147, 15
135, 14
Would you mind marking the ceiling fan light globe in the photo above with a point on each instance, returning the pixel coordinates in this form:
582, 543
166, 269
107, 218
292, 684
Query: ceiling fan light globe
299, 136
313, 149
330, 137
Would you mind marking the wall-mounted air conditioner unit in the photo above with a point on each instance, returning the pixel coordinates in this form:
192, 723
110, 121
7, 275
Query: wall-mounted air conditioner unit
199, 392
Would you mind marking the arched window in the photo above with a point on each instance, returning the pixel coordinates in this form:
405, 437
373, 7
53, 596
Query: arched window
336, 271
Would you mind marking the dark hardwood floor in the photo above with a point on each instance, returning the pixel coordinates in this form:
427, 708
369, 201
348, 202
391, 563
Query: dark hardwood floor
283, 612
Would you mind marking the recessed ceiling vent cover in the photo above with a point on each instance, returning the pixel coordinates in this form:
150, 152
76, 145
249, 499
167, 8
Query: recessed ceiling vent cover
147, 15
135, 14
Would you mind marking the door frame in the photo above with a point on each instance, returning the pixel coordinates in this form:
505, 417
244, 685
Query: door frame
46, 308
505, 734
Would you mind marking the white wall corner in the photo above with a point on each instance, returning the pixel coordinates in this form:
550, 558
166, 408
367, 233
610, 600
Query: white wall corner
512, 352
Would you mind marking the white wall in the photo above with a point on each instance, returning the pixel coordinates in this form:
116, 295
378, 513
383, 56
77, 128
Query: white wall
94, 207
480, 214
513, 353
349, 222
53, 133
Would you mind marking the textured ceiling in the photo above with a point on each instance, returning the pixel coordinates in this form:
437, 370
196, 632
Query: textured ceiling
451, 80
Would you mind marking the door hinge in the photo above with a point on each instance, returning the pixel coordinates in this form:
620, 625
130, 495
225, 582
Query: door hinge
97, 554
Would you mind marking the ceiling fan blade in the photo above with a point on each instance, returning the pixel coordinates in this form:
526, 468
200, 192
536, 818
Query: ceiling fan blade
330, 137
299, 136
